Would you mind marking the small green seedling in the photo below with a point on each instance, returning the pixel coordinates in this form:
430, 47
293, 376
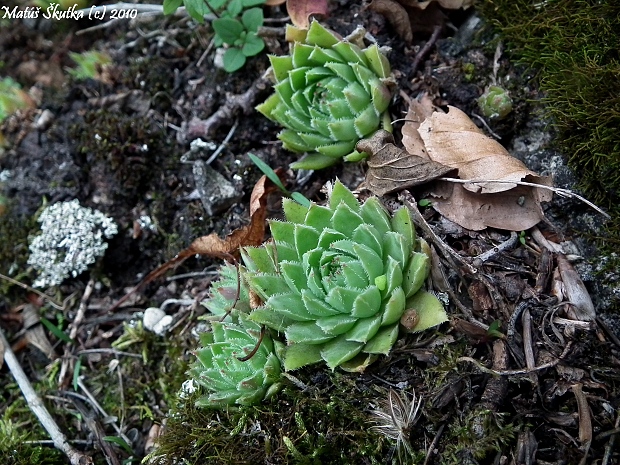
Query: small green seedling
494, 330
522, 237
424, 203
240, 36
273, 177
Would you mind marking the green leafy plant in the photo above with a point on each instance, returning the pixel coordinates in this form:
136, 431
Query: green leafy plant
273, 177
198, 9
240, 36
236, 365
337, 279
329, 94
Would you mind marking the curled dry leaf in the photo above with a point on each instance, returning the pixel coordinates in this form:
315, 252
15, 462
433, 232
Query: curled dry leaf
396, 15
392, 169
575, 291
452, 139
301, 11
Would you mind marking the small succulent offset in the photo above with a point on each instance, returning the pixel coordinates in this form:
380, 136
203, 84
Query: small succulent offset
329, 94
337, 279
71, 239
495, 103
237, 364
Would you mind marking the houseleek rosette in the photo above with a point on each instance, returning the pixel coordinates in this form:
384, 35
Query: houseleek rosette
229, 294
337, 279
227, 379
329, 94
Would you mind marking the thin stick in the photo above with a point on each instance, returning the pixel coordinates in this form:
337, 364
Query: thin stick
490, 371
448, 252
38, 408
52, 302
558, 190
427, 48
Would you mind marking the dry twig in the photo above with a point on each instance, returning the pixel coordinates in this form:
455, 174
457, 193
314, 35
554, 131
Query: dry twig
36, 405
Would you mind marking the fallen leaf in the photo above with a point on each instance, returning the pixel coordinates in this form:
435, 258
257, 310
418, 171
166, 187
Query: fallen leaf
454, 140
516, 209
419, 110
213, 245
274, 2
396, 15
575, 291
300, 11
392, 169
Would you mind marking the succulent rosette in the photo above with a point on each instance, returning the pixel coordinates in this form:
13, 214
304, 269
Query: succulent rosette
329, 94
222, 369
337, 279
229, 294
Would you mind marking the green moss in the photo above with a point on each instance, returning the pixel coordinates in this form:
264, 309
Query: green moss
326, 425
574, 46
19, 431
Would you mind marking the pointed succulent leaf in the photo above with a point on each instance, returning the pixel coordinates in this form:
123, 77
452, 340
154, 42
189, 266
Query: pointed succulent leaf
294, 275
364, 329
300, 355
258, 258
383, 341
318, 35
340, 194
377, 61
306, 332
294, 212
402, 223
339, 350
415, 273
394, 307
429, 310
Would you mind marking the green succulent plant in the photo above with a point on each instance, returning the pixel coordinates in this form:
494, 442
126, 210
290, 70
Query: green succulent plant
329, 94
337, 279
222, 369
495, 103
227, 292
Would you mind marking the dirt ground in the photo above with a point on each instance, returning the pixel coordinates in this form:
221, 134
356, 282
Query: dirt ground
121, 144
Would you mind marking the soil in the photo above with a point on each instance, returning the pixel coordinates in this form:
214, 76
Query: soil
121, 144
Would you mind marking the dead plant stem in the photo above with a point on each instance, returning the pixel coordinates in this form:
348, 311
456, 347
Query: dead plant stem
38, 408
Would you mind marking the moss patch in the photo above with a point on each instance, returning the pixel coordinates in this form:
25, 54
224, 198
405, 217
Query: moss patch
575, 46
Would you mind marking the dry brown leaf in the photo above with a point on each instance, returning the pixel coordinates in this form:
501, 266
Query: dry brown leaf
516, 209
419, 110
391, 169
575, 291
300, 11
396, 15
274, 2
453, 139
214, 246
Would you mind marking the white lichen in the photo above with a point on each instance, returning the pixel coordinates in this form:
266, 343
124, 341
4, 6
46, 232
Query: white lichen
71, 239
